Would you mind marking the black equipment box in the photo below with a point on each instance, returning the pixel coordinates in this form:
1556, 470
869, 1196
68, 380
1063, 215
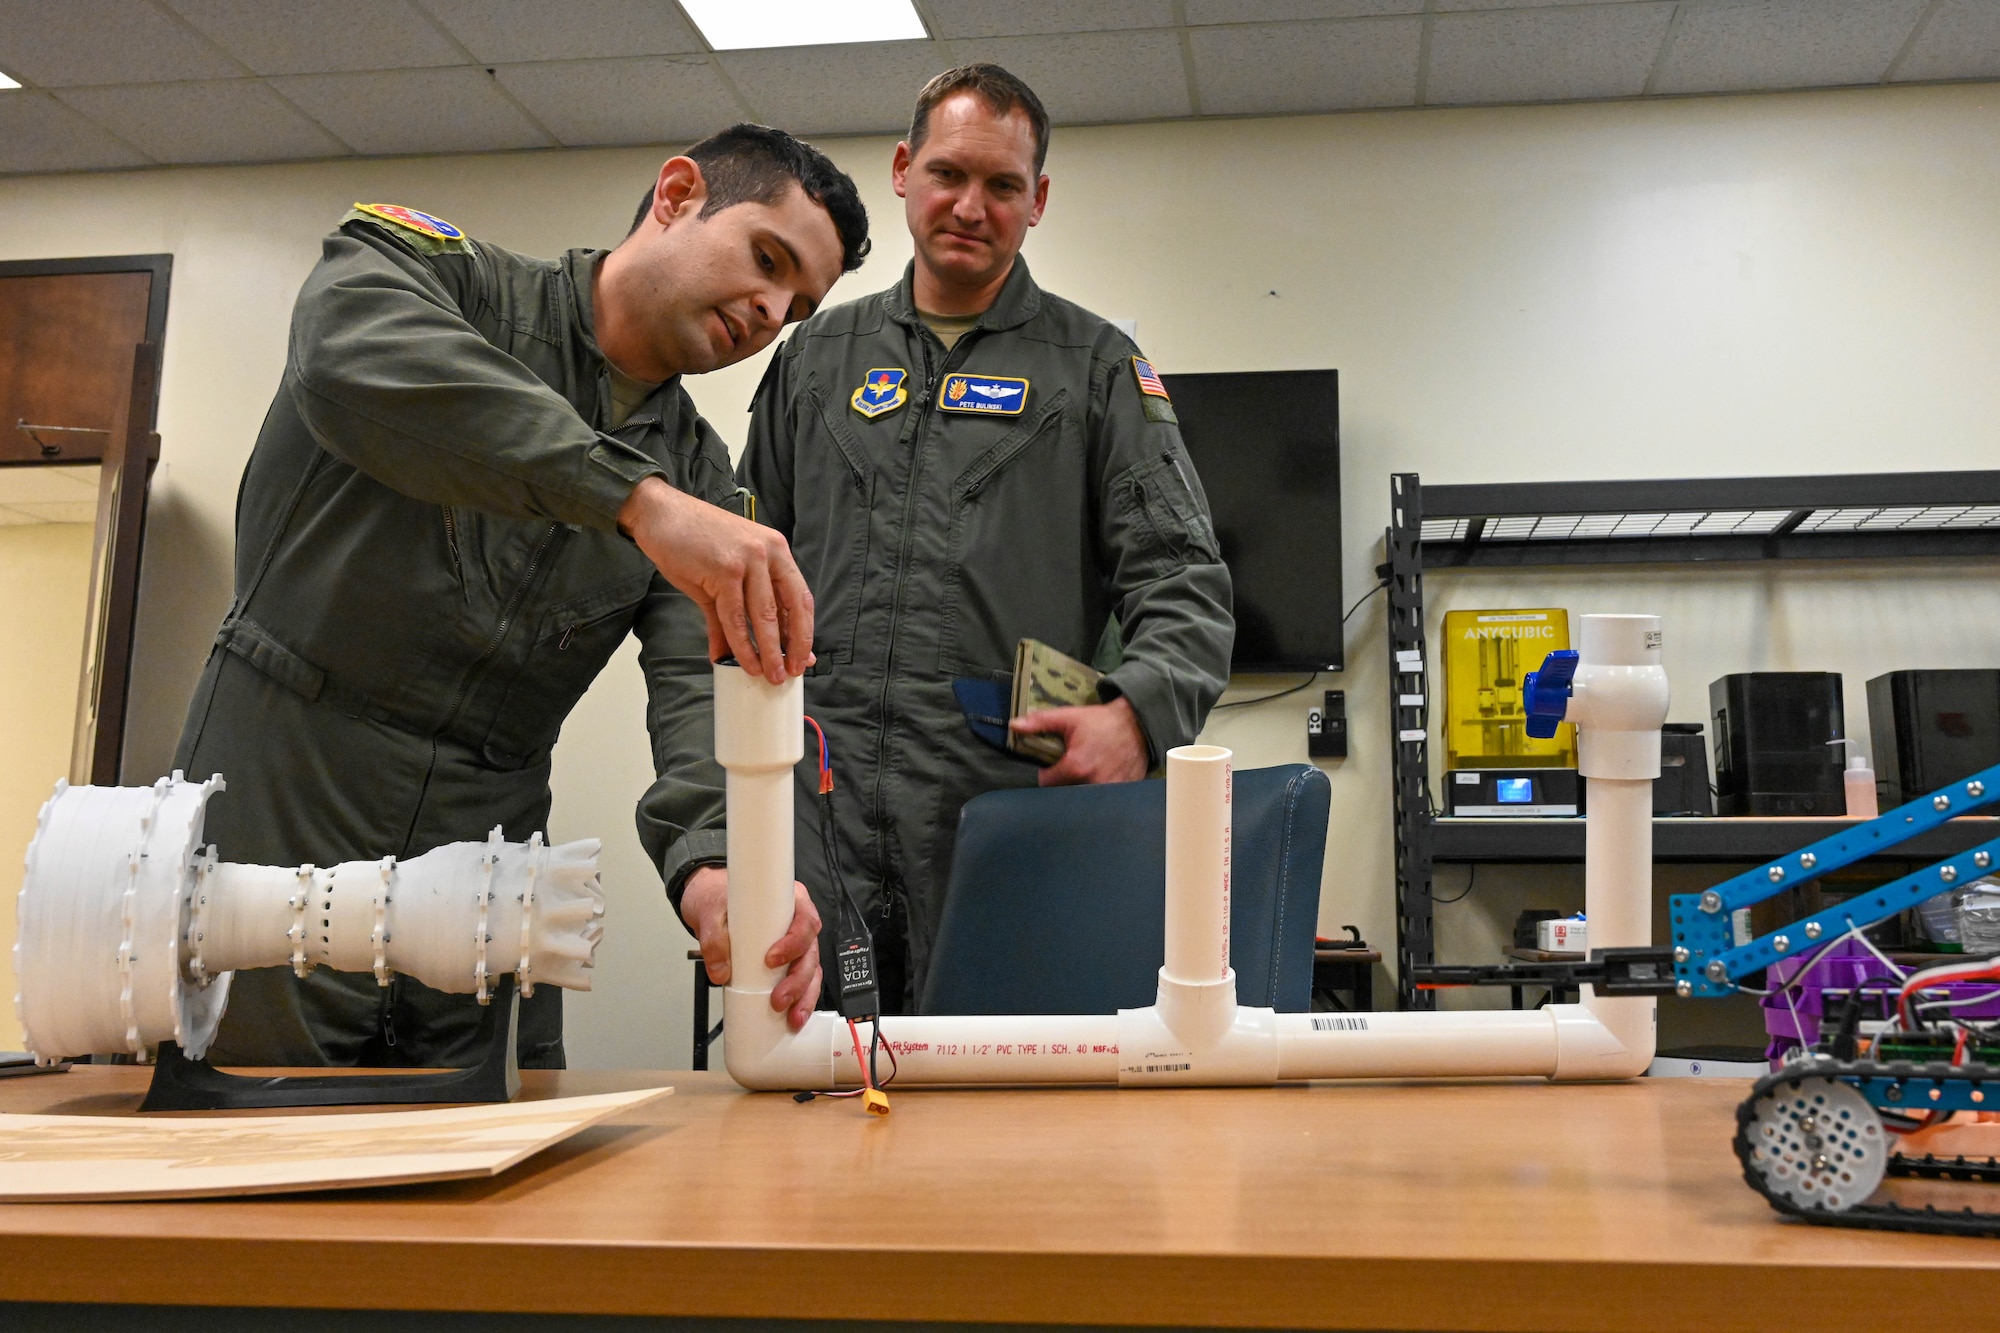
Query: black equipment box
1773, 751
1682, 787
1505, 793
1931, 728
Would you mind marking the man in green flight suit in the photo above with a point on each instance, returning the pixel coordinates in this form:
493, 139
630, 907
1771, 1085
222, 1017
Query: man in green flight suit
960, 462
480, 473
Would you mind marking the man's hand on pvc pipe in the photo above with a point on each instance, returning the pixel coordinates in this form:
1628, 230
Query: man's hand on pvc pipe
1101, 742
739, 573
705, 909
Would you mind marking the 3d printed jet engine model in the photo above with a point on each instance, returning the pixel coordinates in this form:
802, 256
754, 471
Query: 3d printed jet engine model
129, 930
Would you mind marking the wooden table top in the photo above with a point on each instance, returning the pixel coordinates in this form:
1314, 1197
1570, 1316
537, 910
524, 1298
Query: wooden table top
1371, 1206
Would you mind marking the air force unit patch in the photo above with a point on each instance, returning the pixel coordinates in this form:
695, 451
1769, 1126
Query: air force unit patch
881, 392
409, 218
1000, 395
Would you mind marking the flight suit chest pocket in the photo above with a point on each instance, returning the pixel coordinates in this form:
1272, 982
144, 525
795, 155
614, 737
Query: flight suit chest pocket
833, 497
1018, 530
573, 641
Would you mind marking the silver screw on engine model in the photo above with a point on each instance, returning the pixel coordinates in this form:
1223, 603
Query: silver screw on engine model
1680, 953
1711, 901
1982, 860
1683, 988
1808, 860
1941, 802
1782, 943
1975, 789
1947, 873
1777, 874
1812, 930
1717, 972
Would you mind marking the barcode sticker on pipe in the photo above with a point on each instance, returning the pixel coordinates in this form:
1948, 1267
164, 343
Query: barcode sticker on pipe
1410, 700
1414, 735
1324, 1023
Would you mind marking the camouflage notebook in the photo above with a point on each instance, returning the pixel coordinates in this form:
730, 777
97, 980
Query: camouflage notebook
1047, 678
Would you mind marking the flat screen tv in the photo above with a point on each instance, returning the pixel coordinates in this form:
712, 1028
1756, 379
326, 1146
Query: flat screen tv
1267, 446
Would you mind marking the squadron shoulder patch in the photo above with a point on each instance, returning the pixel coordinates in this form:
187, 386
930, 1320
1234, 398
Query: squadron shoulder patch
882, 391
1153, 394
430, 234
997, 395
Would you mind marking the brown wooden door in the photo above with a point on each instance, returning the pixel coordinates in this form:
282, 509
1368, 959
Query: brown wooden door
66, 343
79, 382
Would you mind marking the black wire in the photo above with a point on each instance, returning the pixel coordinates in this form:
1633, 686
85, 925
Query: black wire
1307, 682
1265, 698
1471, 875
1363, 598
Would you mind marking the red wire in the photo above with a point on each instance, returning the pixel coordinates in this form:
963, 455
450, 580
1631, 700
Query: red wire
859, 1058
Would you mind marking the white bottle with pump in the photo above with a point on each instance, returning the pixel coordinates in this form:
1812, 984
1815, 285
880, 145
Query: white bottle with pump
1860, 782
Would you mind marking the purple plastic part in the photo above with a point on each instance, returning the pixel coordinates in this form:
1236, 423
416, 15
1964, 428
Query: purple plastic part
1842, 967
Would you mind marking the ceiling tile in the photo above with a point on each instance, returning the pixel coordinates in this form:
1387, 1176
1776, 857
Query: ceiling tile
1275, 11
311, 37
1785, 44
414, 111
1290, 67
1014, 18
1093, 77
38, 133
1962, 41
103, 41
1545, 55
55, 511
48, 483
836, 89
661, 99
228, 120
533, 30
1448, 5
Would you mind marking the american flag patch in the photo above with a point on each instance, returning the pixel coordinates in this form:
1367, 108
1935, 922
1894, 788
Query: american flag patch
1149, 379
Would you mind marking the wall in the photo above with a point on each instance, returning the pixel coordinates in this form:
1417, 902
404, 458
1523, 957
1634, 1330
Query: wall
45, 590
1725, 286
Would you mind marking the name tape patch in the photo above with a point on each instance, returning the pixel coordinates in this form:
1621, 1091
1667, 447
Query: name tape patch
999, 395
882, 391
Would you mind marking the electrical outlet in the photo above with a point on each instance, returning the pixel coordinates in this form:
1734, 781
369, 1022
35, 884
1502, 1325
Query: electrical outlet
1326, 727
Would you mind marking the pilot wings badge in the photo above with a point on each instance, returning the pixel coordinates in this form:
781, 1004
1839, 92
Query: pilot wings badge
881, 392
998, 395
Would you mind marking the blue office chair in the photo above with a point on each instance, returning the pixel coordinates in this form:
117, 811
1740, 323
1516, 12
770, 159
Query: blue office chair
1057, 902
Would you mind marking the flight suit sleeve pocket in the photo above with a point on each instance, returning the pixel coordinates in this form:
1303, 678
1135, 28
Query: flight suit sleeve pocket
1156, 515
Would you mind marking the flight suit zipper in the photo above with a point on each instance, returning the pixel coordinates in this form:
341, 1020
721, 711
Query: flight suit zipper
932, 374
493, 643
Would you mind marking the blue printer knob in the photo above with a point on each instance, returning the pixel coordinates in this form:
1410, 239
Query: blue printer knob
1545, 693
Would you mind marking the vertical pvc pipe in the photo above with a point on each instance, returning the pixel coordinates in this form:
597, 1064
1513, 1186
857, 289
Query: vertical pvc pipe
1199, 795
759, 738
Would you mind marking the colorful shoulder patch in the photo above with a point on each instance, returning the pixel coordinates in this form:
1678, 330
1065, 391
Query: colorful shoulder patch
432, 235
999, 395
882, 391
1152, 393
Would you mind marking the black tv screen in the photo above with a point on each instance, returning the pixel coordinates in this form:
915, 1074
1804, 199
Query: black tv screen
1267, 446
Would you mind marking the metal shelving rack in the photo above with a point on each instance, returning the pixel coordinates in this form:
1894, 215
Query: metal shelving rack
1863, 516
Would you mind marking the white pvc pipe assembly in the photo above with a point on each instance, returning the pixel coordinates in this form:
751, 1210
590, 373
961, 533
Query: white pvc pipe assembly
129, 931
1196, 1033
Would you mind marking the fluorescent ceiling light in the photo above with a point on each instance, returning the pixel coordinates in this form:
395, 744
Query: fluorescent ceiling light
740, 25
6, 82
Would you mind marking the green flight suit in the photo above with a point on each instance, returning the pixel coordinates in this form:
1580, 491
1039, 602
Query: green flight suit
935, 536
428, 577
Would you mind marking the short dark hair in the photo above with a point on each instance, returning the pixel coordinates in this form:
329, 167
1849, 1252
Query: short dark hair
1000, 90
755, 164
